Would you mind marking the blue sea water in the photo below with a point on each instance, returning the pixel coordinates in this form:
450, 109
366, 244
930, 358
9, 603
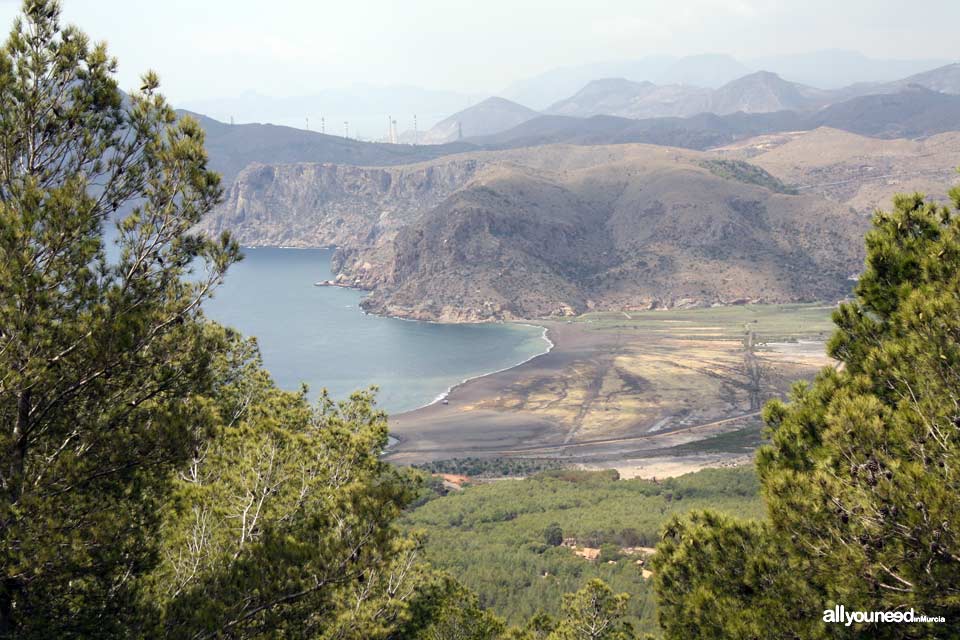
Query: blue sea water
320, 336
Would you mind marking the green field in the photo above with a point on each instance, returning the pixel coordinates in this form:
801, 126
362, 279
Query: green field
491, 536
770, 322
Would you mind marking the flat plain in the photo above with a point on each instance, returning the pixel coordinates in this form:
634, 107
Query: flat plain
622, 387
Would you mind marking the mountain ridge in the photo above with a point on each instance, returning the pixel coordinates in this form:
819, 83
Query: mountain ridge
553, 230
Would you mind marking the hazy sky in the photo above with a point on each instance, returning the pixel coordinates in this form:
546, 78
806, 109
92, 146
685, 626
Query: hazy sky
209, 48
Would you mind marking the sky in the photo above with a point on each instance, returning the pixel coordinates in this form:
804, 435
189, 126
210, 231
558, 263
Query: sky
212, 48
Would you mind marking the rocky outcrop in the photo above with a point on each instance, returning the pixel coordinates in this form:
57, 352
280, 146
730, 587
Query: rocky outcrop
319, 205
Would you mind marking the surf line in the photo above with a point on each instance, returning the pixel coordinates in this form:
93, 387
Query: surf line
545, 336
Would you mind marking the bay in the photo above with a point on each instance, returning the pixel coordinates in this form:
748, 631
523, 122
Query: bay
321, 337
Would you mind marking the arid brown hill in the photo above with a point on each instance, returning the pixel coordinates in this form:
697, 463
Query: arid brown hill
557, 229
854, 171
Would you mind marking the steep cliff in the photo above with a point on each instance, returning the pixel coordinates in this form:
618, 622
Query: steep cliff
319, 205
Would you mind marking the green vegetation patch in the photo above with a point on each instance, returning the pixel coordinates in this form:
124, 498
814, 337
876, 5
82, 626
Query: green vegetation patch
747, 173
499, 538
770, 322
745, 440
491, 467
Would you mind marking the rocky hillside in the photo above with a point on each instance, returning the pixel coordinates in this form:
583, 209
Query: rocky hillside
322, 205
854, 171
553, 230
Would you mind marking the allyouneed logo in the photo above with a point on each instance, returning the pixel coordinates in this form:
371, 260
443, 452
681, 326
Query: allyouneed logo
840, 615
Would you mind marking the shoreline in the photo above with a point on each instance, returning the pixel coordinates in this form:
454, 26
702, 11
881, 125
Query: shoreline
545, 331
397, 439
545, 336
466, 426
533, 406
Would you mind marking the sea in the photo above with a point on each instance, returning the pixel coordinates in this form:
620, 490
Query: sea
319, 336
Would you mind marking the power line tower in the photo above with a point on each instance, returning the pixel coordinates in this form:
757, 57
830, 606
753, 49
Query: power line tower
416, 132
323, 125
346, 129
308, 123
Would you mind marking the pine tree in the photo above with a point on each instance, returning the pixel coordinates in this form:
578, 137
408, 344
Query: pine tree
593, 613
101, 360
553, 535
859, 477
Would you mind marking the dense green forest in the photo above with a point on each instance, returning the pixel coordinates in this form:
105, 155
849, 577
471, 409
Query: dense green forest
492, 536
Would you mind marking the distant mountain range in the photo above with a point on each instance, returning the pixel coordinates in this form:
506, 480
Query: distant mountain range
823, 69
913, 112
233, 147
760, 92
680, 115
366, 109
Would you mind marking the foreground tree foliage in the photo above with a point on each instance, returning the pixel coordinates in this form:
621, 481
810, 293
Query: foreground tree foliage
103, 363
154, 483
860, 476
283, 523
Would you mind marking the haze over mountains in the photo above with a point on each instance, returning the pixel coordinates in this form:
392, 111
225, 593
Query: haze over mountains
761, 92
365, 107
755, 190
823, 69
368, 108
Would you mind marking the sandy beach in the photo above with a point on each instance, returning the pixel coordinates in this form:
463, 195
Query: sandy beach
464, 427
